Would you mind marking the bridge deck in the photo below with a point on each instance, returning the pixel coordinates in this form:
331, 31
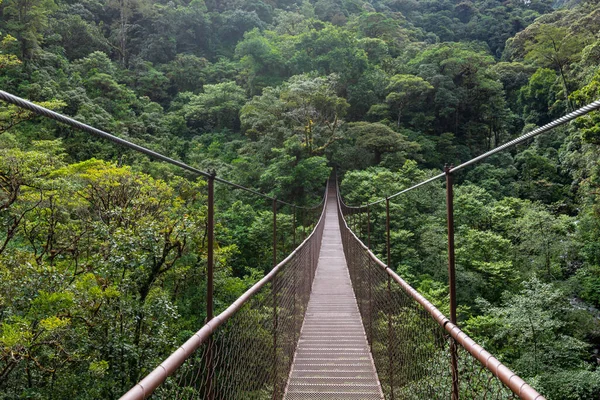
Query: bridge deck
333, 359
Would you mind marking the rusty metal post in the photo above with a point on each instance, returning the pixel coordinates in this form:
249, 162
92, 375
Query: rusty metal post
361, 224
312, 262
315, 257
387, 231
451, 258
274, 290
210, 257
303, 222
295, 288
308, 267
368, 226
349, 219
370, 279
210, 248
452, 275
274, 232
370, 273
294, 329
389, 290
294, 228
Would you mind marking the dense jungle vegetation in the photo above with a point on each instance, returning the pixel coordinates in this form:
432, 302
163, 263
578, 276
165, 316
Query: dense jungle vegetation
102, 252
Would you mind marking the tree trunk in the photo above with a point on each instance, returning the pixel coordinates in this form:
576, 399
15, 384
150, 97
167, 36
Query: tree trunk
377, 157
123, 43
564, 80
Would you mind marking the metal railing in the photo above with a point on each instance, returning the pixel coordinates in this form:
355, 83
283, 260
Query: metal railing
246, 351
418, 352
250, 345
361, 260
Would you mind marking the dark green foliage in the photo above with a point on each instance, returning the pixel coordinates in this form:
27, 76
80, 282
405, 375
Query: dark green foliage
272, 95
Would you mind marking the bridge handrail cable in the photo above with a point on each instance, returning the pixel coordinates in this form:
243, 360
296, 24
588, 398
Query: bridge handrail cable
37, 109
543, 129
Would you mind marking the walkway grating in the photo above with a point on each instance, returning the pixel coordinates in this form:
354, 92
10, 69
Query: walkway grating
333, 359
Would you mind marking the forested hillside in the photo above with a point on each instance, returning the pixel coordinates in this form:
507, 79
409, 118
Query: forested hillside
103, 252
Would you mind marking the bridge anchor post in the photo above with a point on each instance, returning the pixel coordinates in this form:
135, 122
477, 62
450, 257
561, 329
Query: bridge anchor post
389, 291
452, 274
210, 257
294, 228
368, 227
274, 290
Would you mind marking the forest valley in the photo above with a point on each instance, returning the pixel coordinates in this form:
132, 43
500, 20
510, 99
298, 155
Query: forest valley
103, 252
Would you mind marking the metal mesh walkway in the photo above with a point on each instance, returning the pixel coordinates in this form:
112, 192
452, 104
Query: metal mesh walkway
333, 359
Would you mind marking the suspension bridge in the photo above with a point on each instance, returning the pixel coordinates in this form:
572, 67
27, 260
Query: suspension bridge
330, 321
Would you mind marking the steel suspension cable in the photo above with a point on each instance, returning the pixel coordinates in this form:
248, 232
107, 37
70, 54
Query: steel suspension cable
543, 129
37, 109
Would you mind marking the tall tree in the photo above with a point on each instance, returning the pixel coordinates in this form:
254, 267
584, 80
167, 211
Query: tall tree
404, 90
126, 9
381, 139
27, 19
555, 47
316, 109
217, 108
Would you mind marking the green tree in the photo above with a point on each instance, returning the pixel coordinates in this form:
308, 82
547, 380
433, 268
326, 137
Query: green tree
186, 73
8, 60
555, 47
262, 61
126, 9
545, 242
292, 175
27, 20
467, 99
537, 97
11, 116
404, 90
380, 139
484, 256
105, 246
265, 117
290, 23
78, 36
217, 108
316, 109
328, 50
385, 27
530, 330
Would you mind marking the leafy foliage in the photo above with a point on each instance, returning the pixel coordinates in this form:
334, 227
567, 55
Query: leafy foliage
102, 250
